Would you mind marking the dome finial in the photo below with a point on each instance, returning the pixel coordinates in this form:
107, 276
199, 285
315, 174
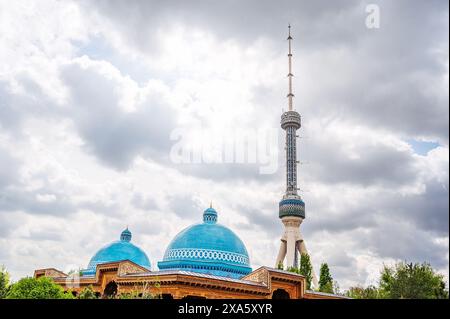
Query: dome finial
125, 235
210, 215
210, 204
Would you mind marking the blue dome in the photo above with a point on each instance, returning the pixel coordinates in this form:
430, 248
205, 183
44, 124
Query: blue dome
208, 248
122, 249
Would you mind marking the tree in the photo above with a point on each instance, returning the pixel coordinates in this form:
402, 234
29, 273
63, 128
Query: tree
306, 269
40, 288
4, 282
359, 292
412, 281
325, 281
87, 293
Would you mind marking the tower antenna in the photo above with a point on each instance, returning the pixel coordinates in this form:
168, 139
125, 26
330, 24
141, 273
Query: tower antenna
290, 75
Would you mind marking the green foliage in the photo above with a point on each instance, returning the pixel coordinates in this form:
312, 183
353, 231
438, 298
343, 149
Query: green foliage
294, 270
412, 281
141, 292
337, 289
87, 293
404, 281
41, 288
135, 294
325, 281
4, 282
306, 269
359, 292
280, 266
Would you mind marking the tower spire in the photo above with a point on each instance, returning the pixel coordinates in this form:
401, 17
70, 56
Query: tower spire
291, 206
290, 75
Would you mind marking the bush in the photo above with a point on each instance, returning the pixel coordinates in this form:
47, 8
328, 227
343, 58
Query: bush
40, 288
87, 293
4, 282
412, 281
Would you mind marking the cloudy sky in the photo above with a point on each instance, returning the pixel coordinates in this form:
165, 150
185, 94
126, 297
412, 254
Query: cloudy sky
91, 91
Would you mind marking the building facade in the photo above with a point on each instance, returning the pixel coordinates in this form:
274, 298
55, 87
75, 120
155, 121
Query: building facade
115, 278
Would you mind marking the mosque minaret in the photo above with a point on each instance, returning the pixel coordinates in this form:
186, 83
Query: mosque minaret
291, 207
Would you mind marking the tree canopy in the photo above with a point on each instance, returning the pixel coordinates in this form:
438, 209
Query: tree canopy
87, 293
404, 281
40, 288
325, 280
4, 282
306, 269
412, 281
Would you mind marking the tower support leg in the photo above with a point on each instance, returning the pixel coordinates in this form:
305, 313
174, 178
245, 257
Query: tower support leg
281, 253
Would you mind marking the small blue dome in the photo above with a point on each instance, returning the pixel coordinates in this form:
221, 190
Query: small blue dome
208, 248
210, 216
126, 235
119, 250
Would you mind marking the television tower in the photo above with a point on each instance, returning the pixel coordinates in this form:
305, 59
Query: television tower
291, 207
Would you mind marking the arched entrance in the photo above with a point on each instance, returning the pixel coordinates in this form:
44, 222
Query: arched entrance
110, 290
280, 294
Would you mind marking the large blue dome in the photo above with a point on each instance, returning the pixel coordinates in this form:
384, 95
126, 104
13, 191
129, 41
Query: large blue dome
122, 249
207, 248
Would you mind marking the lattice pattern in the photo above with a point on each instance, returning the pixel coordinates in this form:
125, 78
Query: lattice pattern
206, 254
292, 208
209, 218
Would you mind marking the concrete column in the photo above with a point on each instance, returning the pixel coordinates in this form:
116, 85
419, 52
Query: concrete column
281, 253
291, 247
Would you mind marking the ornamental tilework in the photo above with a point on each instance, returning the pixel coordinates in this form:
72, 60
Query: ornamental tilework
174, 254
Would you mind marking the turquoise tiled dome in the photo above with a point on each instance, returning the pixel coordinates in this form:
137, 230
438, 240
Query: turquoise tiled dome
122, 249
208, 248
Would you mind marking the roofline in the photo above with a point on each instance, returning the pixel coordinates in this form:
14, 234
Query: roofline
313, 292
281, 271
193, 274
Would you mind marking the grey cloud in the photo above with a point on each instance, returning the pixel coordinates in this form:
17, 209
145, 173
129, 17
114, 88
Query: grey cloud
143, 202
389, 77
262, 217
331, 162
14, 199
139, 21
116, 137
185, 206
51, 198
45, 234
14, 196
408, 244
428, 211
18, 105
9, 222
9, 171
382, 90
